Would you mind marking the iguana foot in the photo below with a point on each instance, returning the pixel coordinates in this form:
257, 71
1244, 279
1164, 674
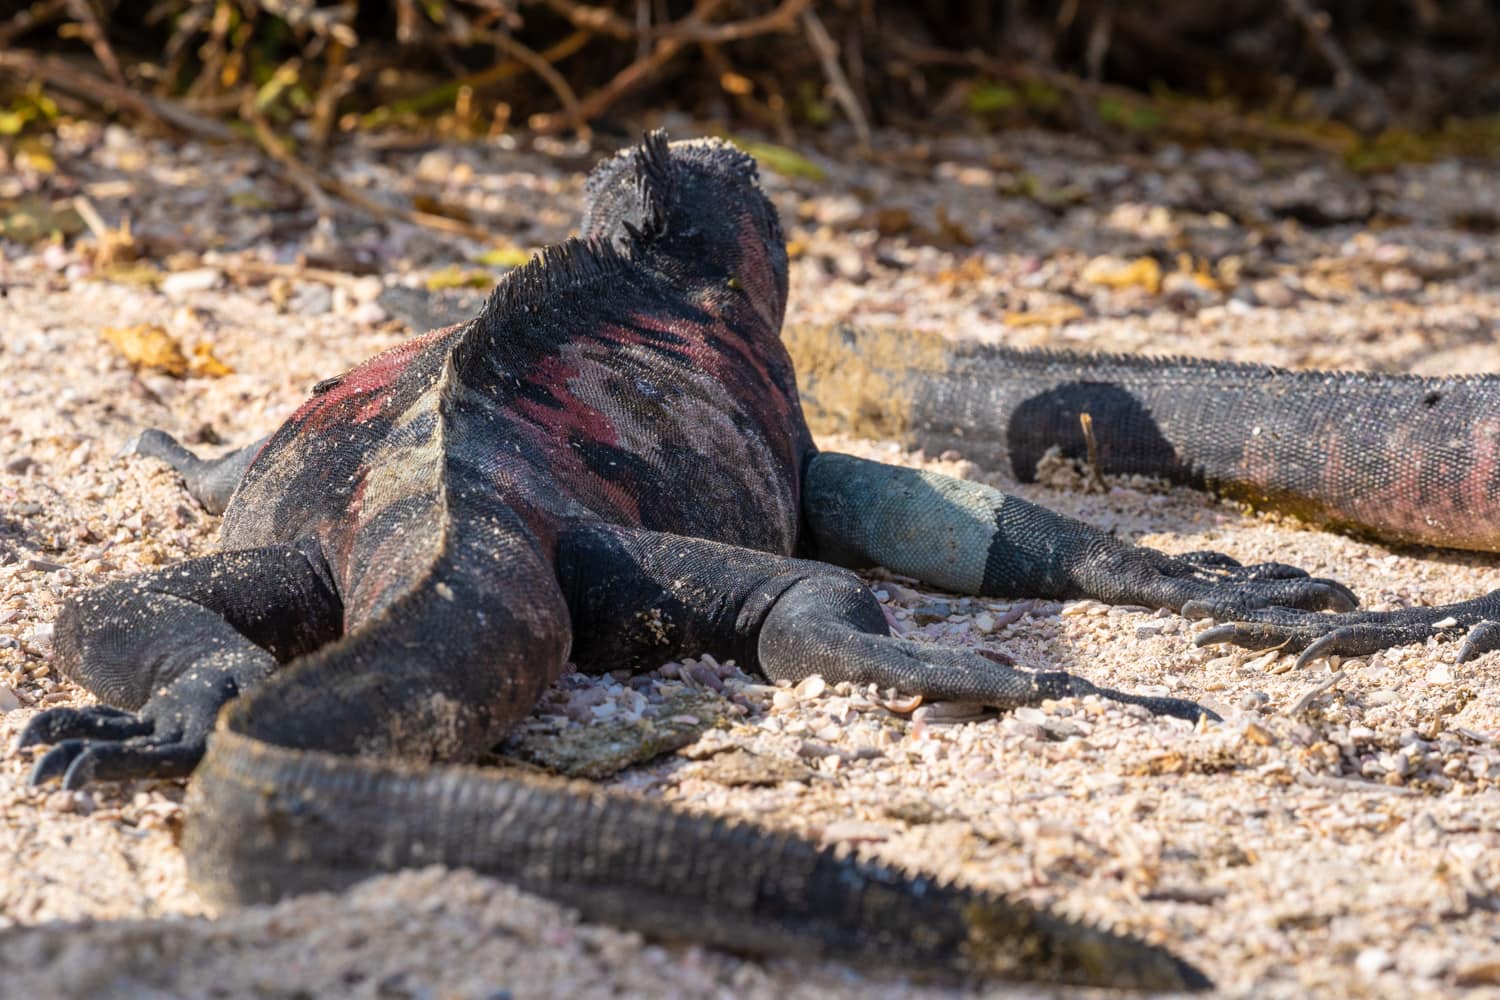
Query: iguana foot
1217, 583
830, 624
1314, 635
79, 762
211, 481
166, 740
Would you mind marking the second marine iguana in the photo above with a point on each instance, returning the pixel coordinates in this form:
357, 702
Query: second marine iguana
1401, 458
608, 464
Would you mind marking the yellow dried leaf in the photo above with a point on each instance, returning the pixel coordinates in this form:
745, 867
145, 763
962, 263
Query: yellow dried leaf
1045, 316
30, 218
32, 153
508, 256
204, 362
133, 273
148, 346
457, 277
1143, 272
1199, 271
250, 201
734, 83
969, 271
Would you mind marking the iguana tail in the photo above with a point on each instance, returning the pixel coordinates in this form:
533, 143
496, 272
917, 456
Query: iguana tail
266, 821
1397, 457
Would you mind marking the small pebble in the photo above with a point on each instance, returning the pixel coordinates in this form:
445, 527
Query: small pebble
853, 831
197, 280
1373, 961
811, 687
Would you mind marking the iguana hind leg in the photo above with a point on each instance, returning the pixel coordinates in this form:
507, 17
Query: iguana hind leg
173, 646
790, 618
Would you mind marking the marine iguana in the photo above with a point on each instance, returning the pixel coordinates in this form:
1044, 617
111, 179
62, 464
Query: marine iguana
1400, 458
1397, 458
608, 464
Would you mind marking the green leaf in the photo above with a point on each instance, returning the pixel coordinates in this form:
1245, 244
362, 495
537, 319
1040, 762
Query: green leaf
780, 159
987, 98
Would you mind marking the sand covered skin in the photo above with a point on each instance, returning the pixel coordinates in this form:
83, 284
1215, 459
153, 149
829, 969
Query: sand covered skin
1336, 833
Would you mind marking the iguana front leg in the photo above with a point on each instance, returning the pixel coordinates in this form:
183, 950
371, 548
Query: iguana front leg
172, 647
789, 618
973, 539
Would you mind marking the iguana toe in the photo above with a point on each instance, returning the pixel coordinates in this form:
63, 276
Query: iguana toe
100, 722
79, 761
1482, 638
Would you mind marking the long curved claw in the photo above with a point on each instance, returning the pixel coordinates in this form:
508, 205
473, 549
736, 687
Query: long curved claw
1239, 599
56, 761
1482, 638
1314, 635
80, 761
1211, 584
100, 743
1059, 684
116, 761
1247, 636
99, 722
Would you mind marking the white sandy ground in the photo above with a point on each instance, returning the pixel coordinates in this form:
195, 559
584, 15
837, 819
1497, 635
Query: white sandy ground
1346, 848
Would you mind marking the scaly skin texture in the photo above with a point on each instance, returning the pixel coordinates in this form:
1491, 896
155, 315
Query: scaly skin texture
616, 437
1400, 458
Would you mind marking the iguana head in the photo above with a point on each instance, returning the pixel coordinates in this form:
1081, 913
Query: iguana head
700, 205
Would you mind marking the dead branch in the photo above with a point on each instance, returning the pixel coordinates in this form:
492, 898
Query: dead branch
319, 187
92, 32
34, 16
828, 54
1347, 80
66, 77
539, 65
631, 76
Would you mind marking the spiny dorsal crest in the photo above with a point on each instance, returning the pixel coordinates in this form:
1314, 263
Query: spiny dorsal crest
654, 184
557, 269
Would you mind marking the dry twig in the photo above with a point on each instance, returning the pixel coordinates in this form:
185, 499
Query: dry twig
1306, 697
828, 54
92, 32
60, 74
37, 14
1096, 473
539, 65
631, 76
